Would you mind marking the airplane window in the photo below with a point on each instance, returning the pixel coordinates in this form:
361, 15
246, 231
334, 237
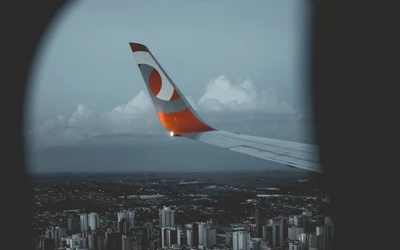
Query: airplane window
186, 128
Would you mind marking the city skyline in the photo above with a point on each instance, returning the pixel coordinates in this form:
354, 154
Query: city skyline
179, 213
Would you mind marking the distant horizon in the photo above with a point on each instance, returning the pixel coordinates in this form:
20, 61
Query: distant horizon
204, 175
167, 172
256, 170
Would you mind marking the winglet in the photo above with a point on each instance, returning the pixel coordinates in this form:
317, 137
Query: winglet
173, 110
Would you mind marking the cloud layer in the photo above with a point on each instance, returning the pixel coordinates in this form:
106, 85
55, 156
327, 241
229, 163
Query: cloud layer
222, 101
223, 95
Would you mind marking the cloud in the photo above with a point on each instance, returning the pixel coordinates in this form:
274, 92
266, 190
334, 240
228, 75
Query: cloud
222, 102
223, 95
82, 117
136, 116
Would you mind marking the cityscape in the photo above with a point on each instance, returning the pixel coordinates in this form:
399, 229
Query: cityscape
205, 210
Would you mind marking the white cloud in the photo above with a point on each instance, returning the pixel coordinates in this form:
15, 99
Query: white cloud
55, 131
82, 117
138, 117
223, 95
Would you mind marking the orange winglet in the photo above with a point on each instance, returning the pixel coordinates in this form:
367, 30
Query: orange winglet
182, 122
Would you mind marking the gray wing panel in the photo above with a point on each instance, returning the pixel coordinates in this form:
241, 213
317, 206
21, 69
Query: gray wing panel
293, 154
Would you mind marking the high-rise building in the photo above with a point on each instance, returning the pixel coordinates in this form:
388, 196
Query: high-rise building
256, 243
149, 231
312, 240
291, 220
113, 241
241, 240
211, 236
324, 235
291, 232
260, 217
298, 220
147, 236
201, 234
123, 226
76, 241
296, 228
282, 229
56, 233
126, 243
96, 241
189, 237
154, 244
89, 221
131, 218
86, 233
295, 245
301, 221
298, 231
265, 233
303, 240
94, 221
320, 232
166, 217
170, 236
72, 224
129, 215
84, 219
195, 235
92, 241
273, 232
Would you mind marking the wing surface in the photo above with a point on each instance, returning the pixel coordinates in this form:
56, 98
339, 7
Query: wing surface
292, 154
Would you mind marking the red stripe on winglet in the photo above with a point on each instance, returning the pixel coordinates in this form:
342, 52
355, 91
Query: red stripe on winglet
138, 47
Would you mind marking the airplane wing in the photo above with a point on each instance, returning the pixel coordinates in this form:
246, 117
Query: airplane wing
180, 119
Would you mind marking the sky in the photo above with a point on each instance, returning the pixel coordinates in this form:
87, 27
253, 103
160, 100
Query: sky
242, 65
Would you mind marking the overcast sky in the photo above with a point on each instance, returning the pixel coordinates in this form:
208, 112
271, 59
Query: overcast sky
88, 108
